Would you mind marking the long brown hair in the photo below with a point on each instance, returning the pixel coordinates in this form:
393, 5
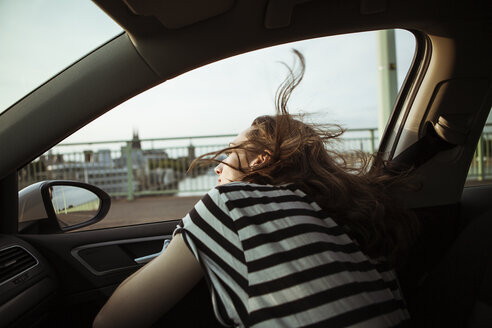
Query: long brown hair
358, 194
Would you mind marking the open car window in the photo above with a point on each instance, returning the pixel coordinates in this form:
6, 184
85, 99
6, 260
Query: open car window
140, 151
481, 166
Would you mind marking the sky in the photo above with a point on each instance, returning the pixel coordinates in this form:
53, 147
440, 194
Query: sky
41, 37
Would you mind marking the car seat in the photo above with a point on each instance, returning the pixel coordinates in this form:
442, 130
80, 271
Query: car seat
457, 291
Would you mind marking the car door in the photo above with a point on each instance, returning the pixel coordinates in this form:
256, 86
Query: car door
89, 265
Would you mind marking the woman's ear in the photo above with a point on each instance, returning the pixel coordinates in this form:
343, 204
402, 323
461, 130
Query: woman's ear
260, 159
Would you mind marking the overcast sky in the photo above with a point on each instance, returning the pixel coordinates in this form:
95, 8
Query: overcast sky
41, 37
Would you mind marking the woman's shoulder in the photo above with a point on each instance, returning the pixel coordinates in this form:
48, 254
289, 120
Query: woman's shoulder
252, 192
242, 186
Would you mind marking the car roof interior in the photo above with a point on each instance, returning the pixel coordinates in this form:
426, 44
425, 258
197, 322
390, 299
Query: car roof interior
437, 120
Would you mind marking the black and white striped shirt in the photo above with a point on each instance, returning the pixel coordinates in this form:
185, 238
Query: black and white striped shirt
274, 258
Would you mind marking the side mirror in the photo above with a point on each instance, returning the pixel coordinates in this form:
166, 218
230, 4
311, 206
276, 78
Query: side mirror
54, 206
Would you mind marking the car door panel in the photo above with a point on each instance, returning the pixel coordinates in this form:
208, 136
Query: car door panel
119, 255
89, 265
84, 253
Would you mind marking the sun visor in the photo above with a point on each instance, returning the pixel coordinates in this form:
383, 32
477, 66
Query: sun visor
176, 14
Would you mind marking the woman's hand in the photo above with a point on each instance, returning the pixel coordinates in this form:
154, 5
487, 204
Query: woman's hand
151, 291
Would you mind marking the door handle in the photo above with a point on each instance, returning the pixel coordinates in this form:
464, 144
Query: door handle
148, 258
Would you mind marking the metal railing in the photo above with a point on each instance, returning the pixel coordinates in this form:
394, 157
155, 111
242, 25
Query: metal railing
159, 166
141, 167
481, 165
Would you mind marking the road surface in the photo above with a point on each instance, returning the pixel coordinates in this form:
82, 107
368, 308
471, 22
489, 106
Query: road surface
145, 210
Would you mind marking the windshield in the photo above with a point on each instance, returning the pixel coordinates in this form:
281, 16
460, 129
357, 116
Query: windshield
40, 38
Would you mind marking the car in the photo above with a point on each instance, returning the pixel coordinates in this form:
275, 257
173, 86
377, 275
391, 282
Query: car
64, 278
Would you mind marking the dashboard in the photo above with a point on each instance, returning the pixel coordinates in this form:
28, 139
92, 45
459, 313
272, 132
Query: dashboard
27, 283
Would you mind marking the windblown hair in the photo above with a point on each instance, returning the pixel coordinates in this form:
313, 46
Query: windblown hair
358, 194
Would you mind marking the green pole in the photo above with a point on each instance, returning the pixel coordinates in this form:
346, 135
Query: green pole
480, 159
388, 85
129, 169
371, 131
486, 140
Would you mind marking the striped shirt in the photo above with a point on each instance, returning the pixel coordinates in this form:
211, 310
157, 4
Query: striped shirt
274, 258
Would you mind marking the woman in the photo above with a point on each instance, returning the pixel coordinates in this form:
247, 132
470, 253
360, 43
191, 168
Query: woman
291, 236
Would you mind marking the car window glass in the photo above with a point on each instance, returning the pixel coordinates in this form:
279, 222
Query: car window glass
139, 152
480, 171
49, 35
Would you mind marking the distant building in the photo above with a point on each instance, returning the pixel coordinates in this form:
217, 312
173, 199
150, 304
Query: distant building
100, 168
191, 152
136, 144
51, 158
155, 154
106, 177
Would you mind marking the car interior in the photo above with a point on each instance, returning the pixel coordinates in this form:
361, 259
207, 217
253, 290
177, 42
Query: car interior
435, 125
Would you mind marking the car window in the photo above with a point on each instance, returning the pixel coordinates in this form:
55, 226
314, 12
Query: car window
49, 35
140, 151
480, 171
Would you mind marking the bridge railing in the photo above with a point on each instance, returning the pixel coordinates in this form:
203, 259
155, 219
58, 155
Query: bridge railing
158, 166
481, 165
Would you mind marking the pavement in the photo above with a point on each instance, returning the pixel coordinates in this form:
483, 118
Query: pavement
161, 208
145, 210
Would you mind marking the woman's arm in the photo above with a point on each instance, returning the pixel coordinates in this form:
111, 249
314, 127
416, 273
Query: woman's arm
151, 291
